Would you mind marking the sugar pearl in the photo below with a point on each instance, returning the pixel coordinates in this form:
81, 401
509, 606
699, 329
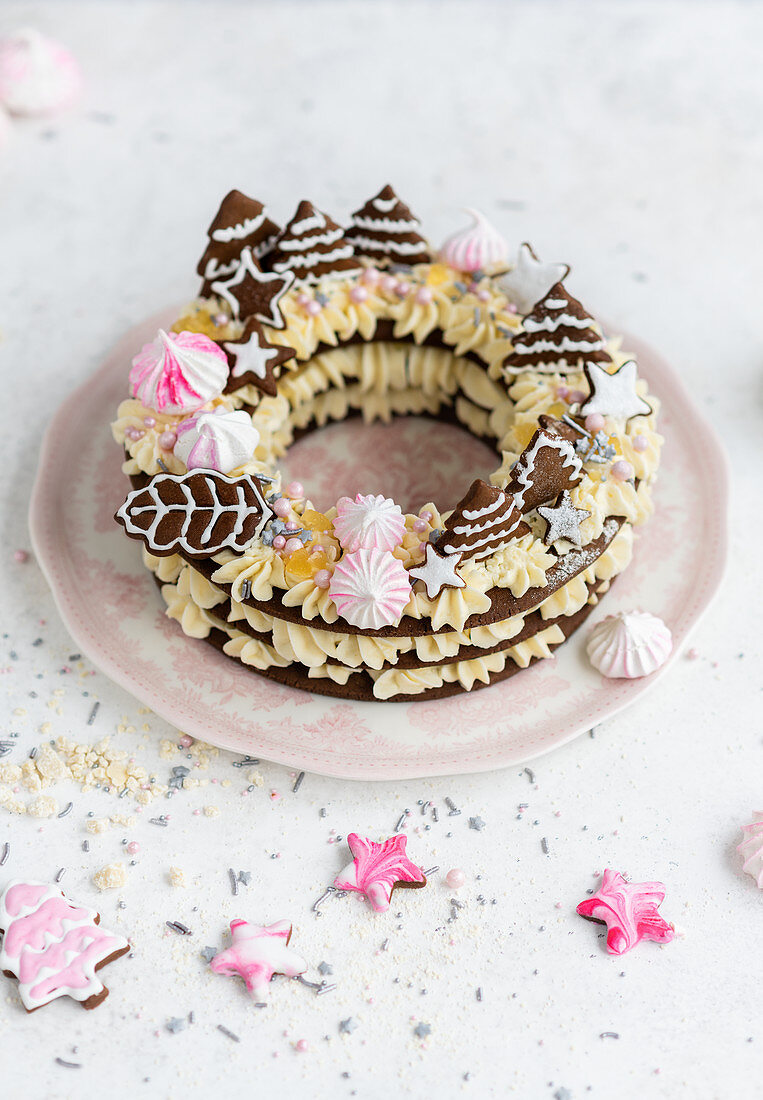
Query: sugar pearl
563, 392
640, 443
576, 396
303, 300
322, 578
313, 308
20, 556
594, 422
185, 741
389, 284
423, 296
291, 526
220, 319
295, 490
282, 507
132, 848
423, 547
622, 470
370, 276
302, 1046
402, 288
426, 516
419, 525
292, 545
279, 542
167, 440
483, 295
455, 878
149, 421
358, 294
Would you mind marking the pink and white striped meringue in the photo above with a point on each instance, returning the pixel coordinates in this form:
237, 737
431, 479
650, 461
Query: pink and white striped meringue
629, 644
37, 75
369, 522
178, 372
480, 247
751, 848
217, 440
370, 588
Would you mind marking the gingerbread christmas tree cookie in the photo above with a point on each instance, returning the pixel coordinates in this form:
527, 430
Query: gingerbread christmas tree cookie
53, 947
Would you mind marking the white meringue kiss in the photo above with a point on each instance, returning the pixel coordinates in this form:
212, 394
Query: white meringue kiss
220, 441
629, 644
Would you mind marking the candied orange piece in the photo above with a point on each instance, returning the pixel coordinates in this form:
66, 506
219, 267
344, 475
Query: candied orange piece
524, 433
438, 274
302, 564
316, 521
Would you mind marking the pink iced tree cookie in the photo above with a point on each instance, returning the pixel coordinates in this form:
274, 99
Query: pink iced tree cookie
377, 869
629, 910
256, 953
53, 947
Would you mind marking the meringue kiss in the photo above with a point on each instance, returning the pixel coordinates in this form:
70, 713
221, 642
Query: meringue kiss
629, 644
178, 372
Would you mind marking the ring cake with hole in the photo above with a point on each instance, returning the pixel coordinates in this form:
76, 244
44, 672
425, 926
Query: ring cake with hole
314, 323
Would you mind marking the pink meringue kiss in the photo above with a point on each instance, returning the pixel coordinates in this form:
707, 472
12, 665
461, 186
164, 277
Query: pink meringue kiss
37, 75
219, 440
369, 522
370, 588
629, 644
478, 248
178, 372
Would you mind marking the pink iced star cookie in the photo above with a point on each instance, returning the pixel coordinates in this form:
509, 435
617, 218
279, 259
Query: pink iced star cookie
377, 869
629, 910
257, 953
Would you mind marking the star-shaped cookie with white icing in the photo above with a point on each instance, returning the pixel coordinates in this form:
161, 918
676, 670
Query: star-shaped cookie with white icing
251, 292
438, 571
531, 279
614, 394
253, 359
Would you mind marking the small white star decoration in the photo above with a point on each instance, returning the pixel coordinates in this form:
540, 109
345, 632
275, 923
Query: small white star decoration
438, 572
530, 279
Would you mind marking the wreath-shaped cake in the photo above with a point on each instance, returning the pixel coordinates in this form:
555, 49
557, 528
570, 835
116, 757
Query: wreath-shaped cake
313, 323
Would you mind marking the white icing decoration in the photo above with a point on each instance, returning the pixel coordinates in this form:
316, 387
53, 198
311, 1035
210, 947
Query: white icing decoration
240, 231
313, 221
530, 279
526, 466
385, 205
389, 225
248, 266
312, 259
188, 507
399, 248
614, 394
438, 572
250, 357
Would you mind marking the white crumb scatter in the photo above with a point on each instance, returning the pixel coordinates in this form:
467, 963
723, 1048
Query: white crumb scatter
11, 802
176, 876
167, 748
111, 877
19, 712
143, 797
256, 779
211, 811
127, 821
97, 825
10, 773
226, 782
43, 806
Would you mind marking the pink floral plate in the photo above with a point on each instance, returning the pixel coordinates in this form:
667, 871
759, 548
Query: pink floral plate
114, 612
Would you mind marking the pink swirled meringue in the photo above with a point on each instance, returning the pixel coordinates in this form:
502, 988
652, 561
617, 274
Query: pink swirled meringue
370, 588
178, 372
629, 644
751, 848
480, 247
37, 75
217, 440
369, 522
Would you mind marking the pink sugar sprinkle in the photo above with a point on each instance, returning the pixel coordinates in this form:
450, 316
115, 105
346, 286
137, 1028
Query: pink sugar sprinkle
20, 556
196, 813
302, 1046
693, 654
274, 795
185, 741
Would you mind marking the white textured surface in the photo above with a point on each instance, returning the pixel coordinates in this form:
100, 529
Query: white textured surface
623, 137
